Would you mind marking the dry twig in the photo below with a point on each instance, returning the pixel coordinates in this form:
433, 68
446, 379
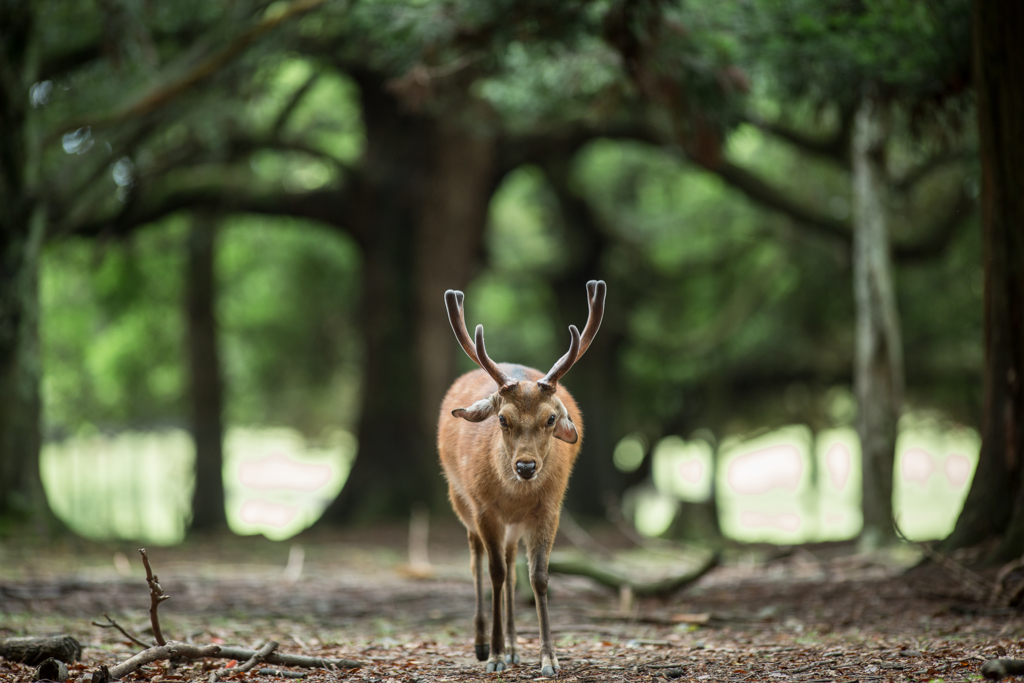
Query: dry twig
257, 658
156, 596
171, 650
127, 634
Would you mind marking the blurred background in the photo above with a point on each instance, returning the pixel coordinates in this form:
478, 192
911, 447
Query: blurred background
230, 226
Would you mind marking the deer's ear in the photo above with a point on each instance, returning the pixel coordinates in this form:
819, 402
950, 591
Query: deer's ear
566, 430
479, 411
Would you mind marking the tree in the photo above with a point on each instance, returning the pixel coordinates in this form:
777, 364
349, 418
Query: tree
844, 59
22, 227
206, 390
994, 505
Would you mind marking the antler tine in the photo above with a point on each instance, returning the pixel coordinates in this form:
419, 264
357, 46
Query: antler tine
596, 290
504, 381
550, 380
456, 316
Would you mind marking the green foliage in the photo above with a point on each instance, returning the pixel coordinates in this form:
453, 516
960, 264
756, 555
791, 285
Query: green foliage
112, 331
830, 52
290, 339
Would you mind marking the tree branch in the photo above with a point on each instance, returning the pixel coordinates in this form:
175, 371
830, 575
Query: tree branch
326, 206
834, 148
941, 235
915, 175
293, 102
765, 194
168, 92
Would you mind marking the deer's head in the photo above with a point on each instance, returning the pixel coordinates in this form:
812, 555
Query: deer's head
530, 413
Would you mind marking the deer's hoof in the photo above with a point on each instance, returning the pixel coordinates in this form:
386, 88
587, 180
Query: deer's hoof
549, 671
512, 658
483, 652
494, 667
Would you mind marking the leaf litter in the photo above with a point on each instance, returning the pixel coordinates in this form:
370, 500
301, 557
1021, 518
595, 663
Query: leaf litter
819, 614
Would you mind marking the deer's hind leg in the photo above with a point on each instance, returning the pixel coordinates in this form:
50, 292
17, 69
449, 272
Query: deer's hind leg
476, 566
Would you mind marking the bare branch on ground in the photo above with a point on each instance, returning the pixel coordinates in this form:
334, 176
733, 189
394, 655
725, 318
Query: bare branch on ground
127, 634
258, 657
156, 596
171, 650
614, 580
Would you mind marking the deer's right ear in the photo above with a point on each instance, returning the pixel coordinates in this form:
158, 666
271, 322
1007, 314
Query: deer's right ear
478, 412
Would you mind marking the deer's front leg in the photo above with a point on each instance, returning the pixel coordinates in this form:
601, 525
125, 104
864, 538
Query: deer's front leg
511, 654
496, 561
476, 562
538, 550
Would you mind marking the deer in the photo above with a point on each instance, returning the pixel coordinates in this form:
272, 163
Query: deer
508, 437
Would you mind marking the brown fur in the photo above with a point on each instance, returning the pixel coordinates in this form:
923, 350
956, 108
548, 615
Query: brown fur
496, 506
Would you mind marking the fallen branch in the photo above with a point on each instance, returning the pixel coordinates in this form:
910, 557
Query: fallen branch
171, 650
51, 670
34, 650
156, 596
257, 658
282, 659
280, 673
605, 577
127, 634
1001, 668
178, 650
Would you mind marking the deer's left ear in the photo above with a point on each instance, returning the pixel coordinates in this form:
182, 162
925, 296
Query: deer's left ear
566, 430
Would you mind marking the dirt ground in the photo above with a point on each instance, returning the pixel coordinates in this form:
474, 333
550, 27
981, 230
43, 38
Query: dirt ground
813, 614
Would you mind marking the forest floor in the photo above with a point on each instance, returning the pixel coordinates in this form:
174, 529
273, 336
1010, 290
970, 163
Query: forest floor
814, 614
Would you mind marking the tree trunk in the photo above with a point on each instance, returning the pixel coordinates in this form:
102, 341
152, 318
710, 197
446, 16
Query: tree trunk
995, 503
22, 225
596, 383
206, 384
21, 493
878, 364
420, 212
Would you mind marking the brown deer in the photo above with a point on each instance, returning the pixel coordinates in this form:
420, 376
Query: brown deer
507, 476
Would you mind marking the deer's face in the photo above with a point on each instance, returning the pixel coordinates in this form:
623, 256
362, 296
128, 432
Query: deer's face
529, 419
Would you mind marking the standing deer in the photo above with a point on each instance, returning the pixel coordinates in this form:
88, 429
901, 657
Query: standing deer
507, 477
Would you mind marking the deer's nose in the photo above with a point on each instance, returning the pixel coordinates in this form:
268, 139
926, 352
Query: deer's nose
526, 469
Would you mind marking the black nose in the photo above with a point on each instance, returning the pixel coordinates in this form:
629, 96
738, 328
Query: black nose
526, 469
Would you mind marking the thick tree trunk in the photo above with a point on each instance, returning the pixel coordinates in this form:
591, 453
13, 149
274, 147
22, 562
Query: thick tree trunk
594, 382
421, 212
206, 384
995, 503
21, 493
878, 364
22, 225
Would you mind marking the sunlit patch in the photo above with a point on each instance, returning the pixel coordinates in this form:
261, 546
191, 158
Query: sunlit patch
837, 461
785, 521
958, 469
654, 513
261, 512
917, 465
629, 453
683, 468
760, 471
691, 471
278, 471
926, 506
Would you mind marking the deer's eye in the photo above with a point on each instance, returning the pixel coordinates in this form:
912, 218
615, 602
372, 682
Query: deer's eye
503, 421
551, 420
